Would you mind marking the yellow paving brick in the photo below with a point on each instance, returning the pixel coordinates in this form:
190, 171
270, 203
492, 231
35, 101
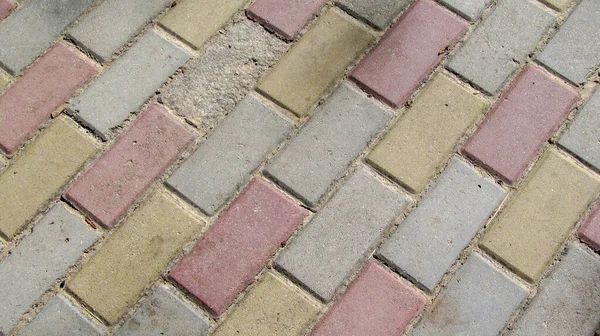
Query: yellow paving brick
539, 218
47, 164
559, 5
272, 307
134, 256
197, 20
314, 64
4, 80
426, 134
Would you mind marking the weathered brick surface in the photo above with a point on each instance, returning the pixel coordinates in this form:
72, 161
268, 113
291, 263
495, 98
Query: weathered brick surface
4, 80
590, 230
467, 8
559, 5
379, 13
6, 6
226, 260
409, 52
339, 131
285, 17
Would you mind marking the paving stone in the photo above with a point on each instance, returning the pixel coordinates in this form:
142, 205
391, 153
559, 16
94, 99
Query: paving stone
315, 63
515, 131
197, 20
272, 307
376, 303
39, 23
164, 313
574, 51
325, 147
590, 230
128, 83
229, 68
239, 245
33, 178
225, 160
34, 265
425, 136
471, 9
6, 6
42, 89
335, 241
541, 215
559, 5
501, 43
567, 301
478, 301
431, 239
108, 27
409, 52
60, 317
134, 256
378, 13
5, 79
583, 134
138, 157
285, 17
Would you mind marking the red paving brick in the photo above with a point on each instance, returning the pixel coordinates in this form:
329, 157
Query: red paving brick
590, 230
6, 6
283, 16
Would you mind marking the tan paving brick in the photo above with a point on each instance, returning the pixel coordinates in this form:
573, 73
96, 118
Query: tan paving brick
4, 80
559, 5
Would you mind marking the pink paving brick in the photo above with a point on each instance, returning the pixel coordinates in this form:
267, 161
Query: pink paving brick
284, 16
409, 52
590, 230
524, 118
376, 303
42, 89
6, 6
239, 245
125, 171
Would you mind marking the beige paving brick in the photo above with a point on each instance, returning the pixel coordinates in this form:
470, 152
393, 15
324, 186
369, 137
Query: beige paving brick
559, 5
272, 307
4, 80
197, 20
540, 216
312, 66
134, 256
425, 136
37, 175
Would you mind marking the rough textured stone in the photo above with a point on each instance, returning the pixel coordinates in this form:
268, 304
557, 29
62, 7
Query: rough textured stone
138, 157
501, 43
421, 142
328, 143
164, 313
39, 23
34, 265
409, 52
567, 301
376, 303
6, 6
272, 307
314, 64
5, 79
128, 83
335, 241
108, 27
197, 20
42, 89
583, 134
238, 246
478, 301
574, 51
590, 230
134, 256
60, 317
430, 240
224, 162
229, 68
379, 13
559, 5
285, 17
467, 8
541, 215
38, 174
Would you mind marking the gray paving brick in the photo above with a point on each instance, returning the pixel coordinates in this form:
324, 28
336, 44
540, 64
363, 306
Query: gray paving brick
583, 135
432, 237
342, 233
30, 30
230, 67
574, 51
128, 83
501, 43
380, 13
108, 27
225, 160
55, 244
328, 143
60, 317
478, 301
164, 313
567, 301
467, 8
